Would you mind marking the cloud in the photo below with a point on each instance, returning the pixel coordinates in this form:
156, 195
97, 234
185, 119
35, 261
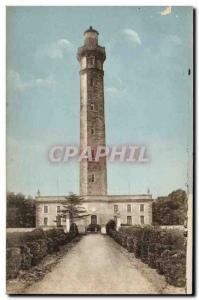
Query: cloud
54, 50
166, 11
45, 82
113, 91
132, 36
14, 81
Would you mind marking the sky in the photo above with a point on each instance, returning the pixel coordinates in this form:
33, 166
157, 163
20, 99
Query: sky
148, 95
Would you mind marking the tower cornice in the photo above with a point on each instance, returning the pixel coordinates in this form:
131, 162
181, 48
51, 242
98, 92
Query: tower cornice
87, 70
97, 51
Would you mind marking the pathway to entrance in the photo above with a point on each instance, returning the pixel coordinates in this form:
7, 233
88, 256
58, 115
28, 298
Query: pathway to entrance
97, 264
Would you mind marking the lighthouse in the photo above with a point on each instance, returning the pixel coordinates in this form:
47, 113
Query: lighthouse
91, 56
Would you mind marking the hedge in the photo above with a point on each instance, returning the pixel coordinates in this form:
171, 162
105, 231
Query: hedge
27, 249
164, 250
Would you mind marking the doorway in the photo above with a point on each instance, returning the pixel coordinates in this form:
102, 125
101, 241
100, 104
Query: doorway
94, 220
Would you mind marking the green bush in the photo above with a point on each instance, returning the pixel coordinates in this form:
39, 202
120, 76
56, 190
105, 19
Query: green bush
20, 238
129, 243
35, 251
154, 252
110, 226
28, 248
26, 257
52, 245
13, 262
172, 264
161, 249
74, 229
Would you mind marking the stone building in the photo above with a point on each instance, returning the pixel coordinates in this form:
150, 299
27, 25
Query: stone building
124, 209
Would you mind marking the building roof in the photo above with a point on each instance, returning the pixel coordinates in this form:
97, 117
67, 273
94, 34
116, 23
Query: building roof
96, 198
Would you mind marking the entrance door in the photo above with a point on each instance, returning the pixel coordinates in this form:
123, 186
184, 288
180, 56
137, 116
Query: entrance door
94, 220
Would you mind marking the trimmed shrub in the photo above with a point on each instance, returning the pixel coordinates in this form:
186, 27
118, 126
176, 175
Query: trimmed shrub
173, 265
52, 246
27, 249
137, 247
129, 243
34, 235
74, 228
13, 262
124, 240
35, 251
110, 226
26, 257
164, 250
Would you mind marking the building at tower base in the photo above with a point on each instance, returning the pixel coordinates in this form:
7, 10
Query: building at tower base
124, 209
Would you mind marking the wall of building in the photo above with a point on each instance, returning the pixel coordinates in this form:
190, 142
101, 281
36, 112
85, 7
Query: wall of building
104, 211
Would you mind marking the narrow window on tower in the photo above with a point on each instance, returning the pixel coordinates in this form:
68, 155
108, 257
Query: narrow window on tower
93, 154
91, 82
91, 62
92, 130
93, 178
99, 64
92, 106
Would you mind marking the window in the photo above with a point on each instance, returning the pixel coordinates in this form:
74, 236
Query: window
91, 82
45, 209
92, 106
58, 209
115, 219
91, 62
99, 64
129, 220
141, 207
142, 219
93, 178
45, 221
92, 130
128, 207
93, 154
115, 208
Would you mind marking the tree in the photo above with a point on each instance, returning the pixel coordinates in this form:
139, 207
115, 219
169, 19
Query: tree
73, 209
29, 212
170, 210
20, 211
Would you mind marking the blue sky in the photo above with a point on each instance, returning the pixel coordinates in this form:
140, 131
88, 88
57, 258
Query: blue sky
148, 94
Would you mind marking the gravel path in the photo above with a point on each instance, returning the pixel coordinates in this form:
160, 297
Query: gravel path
97, 265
